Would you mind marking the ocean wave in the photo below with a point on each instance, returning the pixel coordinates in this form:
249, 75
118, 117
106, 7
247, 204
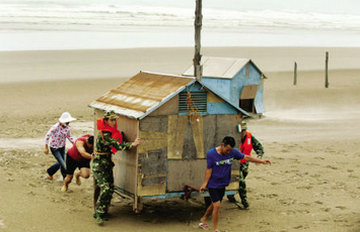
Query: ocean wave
114, 16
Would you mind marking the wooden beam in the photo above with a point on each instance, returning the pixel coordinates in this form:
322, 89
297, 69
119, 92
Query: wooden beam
197, 55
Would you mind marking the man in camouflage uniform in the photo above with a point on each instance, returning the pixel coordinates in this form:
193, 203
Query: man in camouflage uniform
248, 143
102, 166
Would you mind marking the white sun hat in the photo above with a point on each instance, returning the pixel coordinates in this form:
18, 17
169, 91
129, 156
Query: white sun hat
66, 117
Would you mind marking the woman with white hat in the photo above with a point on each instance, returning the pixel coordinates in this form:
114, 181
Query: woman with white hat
58, 134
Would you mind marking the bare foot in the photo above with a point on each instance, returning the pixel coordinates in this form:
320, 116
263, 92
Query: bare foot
64, 188
77, 177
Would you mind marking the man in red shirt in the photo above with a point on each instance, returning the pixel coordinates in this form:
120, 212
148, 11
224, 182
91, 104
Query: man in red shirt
79, 156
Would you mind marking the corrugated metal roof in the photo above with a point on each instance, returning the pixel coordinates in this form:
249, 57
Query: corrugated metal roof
219, 67
141, 94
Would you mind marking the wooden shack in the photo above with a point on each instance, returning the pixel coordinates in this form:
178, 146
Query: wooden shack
238, 80
178, 120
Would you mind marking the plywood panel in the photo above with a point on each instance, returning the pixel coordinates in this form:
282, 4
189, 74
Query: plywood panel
154, 124
152, 166
185, 172
151, 190
248, 92
169, 108
226, 126
198, 136
209, 122
189, 148
176, 131
152, 141
152, 155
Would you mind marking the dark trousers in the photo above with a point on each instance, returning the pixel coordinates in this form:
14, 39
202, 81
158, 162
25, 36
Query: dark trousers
243, 172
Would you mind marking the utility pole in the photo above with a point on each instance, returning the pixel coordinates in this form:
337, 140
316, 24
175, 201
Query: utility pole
197, 55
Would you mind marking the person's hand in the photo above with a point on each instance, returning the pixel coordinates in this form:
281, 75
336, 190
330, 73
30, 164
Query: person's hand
46, 151
266, 162
136, 142
202, 188
92, 157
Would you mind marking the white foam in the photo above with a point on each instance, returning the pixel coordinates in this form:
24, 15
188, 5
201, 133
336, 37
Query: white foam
80, 24
96, 16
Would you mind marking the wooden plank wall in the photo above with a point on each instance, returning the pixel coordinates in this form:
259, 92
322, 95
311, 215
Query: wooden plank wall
152, 156
191, 168
125, 170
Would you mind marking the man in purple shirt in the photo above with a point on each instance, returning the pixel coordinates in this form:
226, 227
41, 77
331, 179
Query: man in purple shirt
218, 174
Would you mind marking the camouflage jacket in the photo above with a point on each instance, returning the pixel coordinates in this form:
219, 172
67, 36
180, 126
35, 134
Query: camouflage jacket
105, 142
257, 147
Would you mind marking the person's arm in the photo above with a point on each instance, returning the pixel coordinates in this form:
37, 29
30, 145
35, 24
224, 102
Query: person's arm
258, 148
119, 146
256, 160
80, 147
47, 139
206, 179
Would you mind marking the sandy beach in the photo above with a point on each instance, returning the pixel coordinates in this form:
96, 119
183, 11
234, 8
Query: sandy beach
310, 133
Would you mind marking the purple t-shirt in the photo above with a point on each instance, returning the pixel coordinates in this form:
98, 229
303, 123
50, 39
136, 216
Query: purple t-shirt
221, 167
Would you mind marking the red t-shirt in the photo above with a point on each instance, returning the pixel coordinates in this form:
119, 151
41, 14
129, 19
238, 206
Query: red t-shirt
73, 151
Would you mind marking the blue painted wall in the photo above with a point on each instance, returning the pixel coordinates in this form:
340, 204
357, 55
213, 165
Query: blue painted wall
231, 88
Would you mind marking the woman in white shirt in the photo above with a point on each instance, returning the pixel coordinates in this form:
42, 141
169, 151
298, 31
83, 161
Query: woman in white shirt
58, 134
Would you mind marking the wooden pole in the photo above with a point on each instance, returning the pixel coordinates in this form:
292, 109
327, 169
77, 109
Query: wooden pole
326, 70
197, 55
295, 73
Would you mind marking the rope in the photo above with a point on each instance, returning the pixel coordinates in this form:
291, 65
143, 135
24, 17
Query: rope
191, 108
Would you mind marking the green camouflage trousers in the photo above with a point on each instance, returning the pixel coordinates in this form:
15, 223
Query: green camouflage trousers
102, 169
243, 172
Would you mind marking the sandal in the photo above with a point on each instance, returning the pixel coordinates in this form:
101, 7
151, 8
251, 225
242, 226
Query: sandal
203, 226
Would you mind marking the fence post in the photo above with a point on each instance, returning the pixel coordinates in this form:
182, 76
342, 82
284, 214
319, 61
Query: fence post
326, 70
295, 73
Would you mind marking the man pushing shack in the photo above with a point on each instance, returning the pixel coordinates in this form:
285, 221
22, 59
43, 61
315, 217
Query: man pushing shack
218, 174
108, 141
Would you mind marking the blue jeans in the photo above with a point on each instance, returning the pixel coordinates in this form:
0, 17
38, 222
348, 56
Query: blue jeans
59, 154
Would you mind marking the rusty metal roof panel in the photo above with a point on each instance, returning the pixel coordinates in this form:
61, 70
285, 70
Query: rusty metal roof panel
142, 94
219, 67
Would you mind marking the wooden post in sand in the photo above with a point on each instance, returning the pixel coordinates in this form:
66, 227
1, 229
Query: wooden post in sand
326, 70
197, 55
295, 73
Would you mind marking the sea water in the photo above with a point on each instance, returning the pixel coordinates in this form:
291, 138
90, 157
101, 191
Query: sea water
92, 24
